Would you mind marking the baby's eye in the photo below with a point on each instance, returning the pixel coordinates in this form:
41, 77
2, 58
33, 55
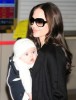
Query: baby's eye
26, 54
33, 51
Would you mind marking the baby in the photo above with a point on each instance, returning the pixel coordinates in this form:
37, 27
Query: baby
25, 54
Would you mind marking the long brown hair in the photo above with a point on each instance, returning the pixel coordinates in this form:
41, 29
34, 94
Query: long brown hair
55, 34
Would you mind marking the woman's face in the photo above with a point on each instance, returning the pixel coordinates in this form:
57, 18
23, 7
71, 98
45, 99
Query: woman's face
39, 31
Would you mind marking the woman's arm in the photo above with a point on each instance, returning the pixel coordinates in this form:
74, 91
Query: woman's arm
57, 72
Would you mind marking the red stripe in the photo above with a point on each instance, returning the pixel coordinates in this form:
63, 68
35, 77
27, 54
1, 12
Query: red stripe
7, 42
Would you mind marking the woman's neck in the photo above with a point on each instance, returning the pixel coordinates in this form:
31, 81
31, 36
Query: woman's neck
42, 40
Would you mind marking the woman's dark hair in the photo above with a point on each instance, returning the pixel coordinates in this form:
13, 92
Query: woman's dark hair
55, 24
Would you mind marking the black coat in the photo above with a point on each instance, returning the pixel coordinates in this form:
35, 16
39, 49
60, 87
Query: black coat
49, 74
15, 87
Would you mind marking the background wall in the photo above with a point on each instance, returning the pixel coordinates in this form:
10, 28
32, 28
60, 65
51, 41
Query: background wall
72, 45
24, 6
5, 52
0, 68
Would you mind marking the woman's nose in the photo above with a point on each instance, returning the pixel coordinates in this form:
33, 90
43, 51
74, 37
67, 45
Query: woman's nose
34, 24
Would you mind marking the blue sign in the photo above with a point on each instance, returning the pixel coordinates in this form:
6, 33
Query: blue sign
7, 1
6, 22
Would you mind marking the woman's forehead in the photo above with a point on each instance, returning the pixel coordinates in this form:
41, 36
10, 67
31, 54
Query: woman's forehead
38, 13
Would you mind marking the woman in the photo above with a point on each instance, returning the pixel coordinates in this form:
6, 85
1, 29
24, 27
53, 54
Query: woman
53, 65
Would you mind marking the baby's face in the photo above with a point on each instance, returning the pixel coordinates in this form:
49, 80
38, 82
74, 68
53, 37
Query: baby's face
29, 56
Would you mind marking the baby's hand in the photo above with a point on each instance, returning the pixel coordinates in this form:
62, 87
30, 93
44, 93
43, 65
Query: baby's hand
30, 96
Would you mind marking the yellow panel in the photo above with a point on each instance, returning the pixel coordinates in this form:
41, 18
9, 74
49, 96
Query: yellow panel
21, 29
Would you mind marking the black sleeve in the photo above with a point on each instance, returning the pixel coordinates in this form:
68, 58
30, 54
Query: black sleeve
57, 72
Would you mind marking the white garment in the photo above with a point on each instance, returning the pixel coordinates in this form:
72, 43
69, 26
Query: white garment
25, 97
24, 76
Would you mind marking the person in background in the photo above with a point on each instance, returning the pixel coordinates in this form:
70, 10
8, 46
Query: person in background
25, 54
53, 65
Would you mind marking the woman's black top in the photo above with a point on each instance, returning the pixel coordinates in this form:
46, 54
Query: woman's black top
49, 74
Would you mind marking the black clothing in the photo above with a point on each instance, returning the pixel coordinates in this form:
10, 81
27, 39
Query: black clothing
15, 87
49, 74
